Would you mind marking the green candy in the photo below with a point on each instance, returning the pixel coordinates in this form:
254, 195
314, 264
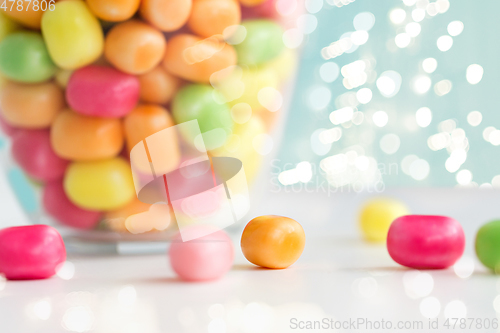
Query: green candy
488, 245
263, 42
202, 102
24, 58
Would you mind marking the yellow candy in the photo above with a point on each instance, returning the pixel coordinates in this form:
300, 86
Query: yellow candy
377, 215
7, 25
100, 185
241, 145
73, 34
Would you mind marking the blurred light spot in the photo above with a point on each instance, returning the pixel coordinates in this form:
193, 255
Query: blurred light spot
362, 163
390, 143
257, 317
474, 118
455, 309
422, 4
418, 284
364, 21
263, 143
366, 287
495, 182
430, 307
406, 163
354, 74
421, 84
317, 145
286, 7
292, 38
447, 125
429, 65
442, 87
329, 72
127, 296
313, 6
389, 83
66, 271
330, 135
42, 309
474, 74
364, 95
397, 15
487, 131
439, 141
419, 169
464, 177
78, 319
241, 113
402, 40
455, 28
357, 118
217, 325
319, 97
413, 29
409, 2
341, 115
418, 14
443, 6
423, 116
307, 23
444, 43
234, 34
359, 37
494, 137
270, 98
432, 9
456, 159
380, 118
464, 267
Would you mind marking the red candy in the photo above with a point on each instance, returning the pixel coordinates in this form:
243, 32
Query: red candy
57, 204
425, 241
102, 92
30, 252
31, 149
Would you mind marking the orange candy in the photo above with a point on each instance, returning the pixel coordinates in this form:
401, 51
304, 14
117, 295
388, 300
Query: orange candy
158, 86
166, 15
31, 105
144, 121
30, 18
134, 47
195, 59
273, 241
81, 138
114, 10
211, 17
115, 220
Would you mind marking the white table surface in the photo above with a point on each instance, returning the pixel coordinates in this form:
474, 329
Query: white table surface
338, 276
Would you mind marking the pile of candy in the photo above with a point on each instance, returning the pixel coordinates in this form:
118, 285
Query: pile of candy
85, 81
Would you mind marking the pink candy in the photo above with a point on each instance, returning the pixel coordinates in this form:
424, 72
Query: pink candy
202, 259
57, 204
102, 92
30, 252
425, 241
33, 152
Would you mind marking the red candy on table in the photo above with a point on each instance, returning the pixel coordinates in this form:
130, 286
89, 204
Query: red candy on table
425, 241
32, 150
102, 92
58, 205
30, 252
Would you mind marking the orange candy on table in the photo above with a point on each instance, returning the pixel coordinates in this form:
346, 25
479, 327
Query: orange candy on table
114, 10
31, 105
81, 138
158, 86
166, 15
134, 47
211, 17
195, 59
144, 121
30, 18
273, 241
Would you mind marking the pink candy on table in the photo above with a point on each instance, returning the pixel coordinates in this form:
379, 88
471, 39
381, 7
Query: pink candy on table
102, 92
30, 252
202, 259
425, 241
58, 205
32, 150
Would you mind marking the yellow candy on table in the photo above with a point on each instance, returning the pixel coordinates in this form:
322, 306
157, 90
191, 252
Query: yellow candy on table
100, 185
240, 144
377, 215
73, 34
